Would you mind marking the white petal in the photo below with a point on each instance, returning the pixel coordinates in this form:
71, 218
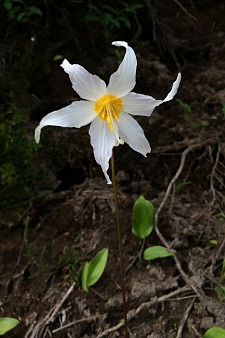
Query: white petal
138, 104
124, 79
132, 133
77, 114
89, 87
174, 89
102, 141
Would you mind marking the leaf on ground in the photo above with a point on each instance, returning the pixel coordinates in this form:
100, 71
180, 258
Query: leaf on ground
215, 332
143, 217
7, 324
155, 252
93, 270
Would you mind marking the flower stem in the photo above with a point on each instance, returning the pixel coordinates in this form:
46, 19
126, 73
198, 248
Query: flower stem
120, 245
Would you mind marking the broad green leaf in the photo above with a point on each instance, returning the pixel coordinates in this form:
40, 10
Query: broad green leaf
155, 252
215, 332
143, 217
93, 270
7, 324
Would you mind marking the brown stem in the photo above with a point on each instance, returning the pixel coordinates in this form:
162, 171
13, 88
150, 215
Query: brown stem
120, 245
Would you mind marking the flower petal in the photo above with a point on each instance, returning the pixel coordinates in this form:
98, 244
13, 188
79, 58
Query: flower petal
174, 89
77, 114
138, 104
102, 141
132, 133
89, 87
124, 79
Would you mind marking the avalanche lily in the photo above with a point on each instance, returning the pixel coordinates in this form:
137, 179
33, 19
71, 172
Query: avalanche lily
108, 109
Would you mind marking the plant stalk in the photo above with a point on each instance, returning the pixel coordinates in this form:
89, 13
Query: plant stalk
120, 245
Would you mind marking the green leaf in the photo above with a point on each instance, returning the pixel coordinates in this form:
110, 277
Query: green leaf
143, 217
8, 5
7, 324
155, 252
215, 332
34, 10
22, 17
222, 276
213, 242
84, 277
181, 186
58, 57
93, 270
220, 291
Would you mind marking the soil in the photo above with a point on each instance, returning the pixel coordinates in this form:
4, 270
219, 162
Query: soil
44, 246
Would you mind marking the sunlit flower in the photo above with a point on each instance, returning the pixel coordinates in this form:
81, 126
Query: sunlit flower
108, 109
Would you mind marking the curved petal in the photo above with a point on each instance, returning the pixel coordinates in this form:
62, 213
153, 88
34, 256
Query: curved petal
77, 114
174, 89
102, 141
138, 104
124, 79
132, 133
89, 87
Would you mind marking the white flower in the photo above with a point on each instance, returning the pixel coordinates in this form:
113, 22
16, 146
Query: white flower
108, 109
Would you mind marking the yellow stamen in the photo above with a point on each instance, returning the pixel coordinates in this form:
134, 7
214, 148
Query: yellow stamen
108, 108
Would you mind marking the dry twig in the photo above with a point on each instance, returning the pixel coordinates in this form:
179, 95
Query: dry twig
216, 257
162, 204
213, 175
133, 313
37, 331
184, 319
185, 10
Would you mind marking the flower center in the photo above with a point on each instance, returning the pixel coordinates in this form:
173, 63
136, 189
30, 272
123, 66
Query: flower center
108, 108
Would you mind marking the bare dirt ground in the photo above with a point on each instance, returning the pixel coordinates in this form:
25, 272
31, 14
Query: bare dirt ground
169, 298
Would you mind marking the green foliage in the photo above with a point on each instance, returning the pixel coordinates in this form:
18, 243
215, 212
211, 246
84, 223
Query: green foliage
215, 332
155, 252
110, 17
143, 217
93, 270
47, 261
221, 291
19, 11
58, 57
181, 186
7, 324
222, 216
18, 172
213, 242
186, 108
222, 276
142, 226
223, 110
